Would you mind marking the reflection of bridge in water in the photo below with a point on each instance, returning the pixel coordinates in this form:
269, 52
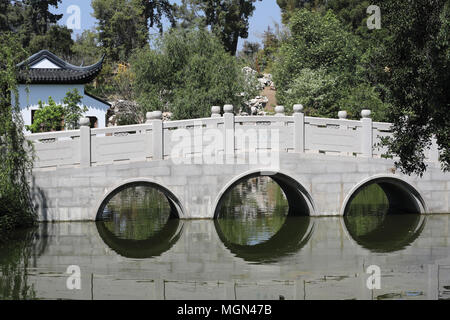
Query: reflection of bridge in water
320, 164
197, 263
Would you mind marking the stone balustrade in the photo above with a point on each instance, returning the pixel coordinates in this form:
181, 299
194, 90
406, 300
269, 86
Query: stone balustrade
156, 139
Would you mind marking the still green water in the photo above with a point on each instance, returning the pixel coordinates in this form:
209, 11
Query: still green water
254, 250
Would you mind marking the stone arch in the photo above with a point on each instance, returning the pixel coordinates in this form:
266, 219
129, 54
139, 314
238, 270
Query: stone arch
177, 209
299, 200
400, 193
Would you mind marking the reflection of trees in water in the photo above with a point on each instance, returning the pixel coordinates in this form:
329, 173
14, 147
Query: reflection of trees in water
15, 257
293, 235
137, 212
371, 201
375, 226
153, 246
253, 211
393, 233
255, 196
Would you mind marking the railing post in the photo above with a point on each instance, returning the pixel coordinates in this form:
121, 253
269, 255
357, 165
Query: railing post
434, 150
85, 142
229, 131
299, 129
215, 112
342, 115
155, 118
279, 111
367, 134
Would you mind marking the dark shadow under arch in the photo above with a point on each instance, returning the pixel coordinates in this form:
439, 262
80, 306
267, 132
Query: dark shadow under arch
401, 196
299, 200
394, 227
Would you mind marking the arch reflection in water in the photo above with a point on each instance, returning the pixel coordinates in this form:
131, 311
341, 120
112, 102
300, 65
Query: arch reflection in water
253, 222
138, 222
375, 224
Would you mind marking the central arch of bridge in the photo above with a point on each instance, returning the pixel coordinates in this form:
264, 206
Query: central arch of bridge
299, 200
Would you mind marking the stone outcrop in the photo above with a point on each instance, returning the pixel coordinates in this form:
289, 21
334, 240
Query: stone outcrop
124, 112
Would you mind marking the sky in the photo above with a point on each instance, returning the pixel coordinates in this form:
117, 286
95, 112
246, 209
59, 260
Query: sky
266, 14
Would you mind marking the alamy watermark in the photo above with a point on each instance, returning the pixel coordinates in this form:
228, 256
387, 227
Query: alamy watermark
374, 280
74, 20
374, 20
73, 282
254, 146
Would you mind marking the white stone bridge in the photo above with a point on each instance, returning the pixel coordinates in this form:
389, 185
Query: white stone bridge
320, 164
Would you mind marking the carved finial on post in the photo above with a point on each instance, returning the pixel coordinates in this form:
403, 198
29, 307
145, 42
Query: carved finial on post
85, 122
365, 113
279, 110
148, 116
228, 108
215, 111
342, 114
157, 115
154, 115
298, 108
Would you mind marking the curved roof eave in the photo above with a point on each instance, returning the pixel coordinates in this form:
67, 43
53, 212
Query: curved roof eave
58, 61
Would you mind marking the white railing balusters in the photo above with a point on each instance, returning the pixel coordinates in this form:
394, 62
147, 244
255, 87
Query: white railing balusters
152, 140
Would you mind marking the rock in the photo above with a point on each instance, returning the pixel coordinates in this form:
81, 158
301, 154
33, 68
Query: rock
124, 112
167, 116
266, 80
261, 113
249, 71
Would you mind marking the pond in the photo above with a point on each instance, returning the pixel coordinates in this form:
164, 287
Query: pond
255, 249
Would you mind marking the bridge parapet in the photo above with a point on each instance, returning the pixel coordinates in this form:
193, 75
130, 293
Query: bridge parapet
218, 135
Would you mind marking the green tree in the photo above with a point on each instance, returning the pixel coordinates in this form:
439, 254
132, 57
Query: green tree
350, 12
315, 89
6, 16
289, 7
86, 48
73, 109
35, 25
414, 65
49, 117
58, 40
272, 39
189, 15
228, 19
155, 10
16, 209
187, 73
37, 18
249, 54
122, 27
321, 65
